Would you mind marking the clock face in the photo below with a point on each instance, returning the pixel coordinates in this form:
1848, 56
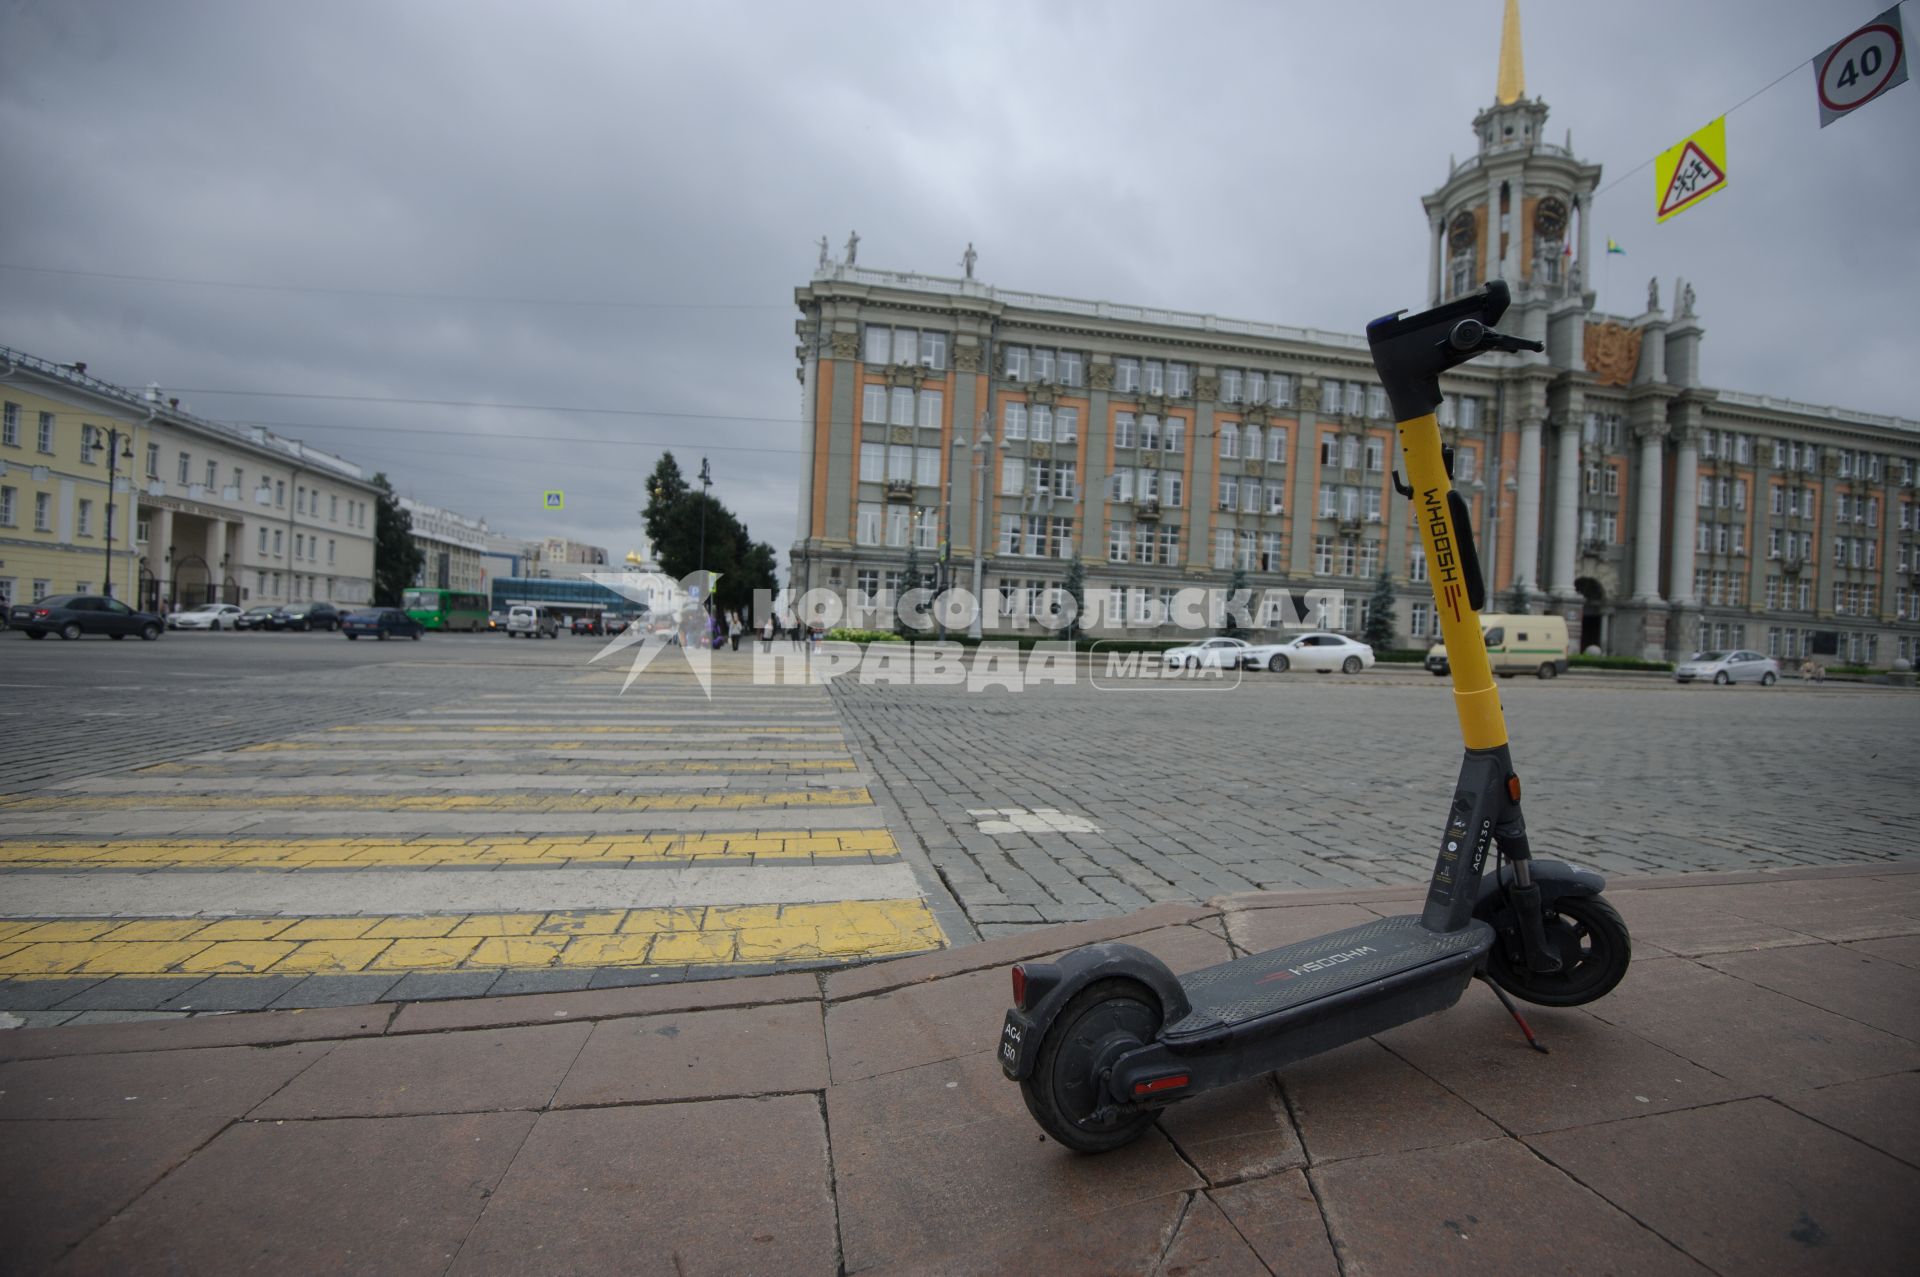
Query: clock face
1550, 219
1460, 235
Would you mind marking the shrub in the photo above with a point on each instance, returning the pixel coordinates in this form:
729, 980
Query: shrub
1617, 663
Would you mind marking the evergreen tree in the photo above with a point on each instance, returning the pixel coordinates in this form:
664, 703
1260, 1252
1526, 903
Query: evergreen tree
1076, 589
397, 557
1517, 597
1230, 623
665, 487
1381, 621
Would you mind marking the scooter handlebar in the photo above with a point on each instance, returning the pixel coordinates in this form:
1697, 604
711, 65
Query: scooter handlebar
1411, 351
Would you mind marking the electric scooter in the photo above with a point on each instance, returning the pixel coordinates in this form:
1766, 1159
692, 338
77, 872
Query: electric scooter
1106, 1036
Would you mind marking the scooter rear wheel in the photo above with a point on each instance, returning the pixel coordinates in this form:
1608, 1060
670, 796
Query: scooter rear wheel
1067, 1087
1594, 947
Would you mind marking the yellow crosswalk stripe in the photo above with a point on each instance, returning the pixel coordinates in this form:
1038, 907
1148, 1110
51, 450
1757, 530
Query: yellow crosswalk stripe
573, 938
855, 796
787, 845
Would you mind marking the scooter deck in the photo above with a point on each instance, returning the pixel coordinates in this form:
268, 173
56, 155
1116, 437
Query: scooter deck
1292, 977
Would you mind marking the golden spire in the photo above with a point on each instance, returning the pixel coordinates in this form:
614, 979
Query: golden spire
1513, 76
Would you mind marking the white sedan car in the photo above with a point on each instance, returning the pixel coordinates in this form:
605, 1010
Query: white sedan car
1213, 653
208, 616
1728, 667
1323, 653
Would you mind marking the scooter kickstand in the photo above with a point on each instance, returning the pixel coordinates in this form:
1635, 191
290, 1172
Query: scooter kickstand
1518, 1019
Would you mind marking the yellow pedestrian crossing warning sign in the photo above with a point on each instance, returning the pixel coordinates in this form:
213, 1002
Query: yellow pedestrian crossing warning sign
1689, 172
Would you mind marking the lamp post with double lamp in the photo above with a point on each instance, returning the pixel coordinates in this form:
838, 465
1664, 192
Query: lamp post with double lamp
982, 459
117, 440
945, 581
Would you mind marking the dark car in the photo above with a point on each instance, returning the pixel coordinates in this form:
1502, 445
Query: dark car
382, 623
71, 615
263, 617
588, 624
312, 616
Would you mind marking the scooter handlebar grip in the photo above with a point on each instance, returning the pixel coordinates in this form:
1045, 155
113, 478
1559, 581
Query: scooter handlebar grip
1469, 553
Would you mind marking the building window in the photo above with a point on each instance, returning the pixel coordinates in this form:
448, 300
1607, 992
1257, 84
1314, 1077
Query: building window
1066, 424
1018, 363
84, 522
1126, 376
279, 543
213, 474
10, 426
1123, 430
263, 541
45, 440
868, 530
1323, 556
897, 525
1179, 380
1013, 422
933, 351
1376, 452
280, 499
186, 465
873, 403
8, 498
333, 502
1119, 542
873, 462
43, 512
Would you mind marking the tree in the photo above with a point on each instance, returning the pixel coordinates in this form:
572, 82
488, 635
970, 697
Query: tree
1517, 597
911, 578
665, 487
397, 557
1378, 633
1236, 585
1075, 588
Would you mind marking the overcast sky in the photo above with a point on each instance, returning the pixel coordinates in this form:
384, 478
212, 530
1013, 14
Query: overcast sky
607, 206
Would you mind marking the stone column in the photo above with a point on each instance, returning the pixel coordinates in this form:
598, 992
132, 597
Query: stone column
1584, 204
1516, 219
160, 553
1490, 260
1686, 513
1526, 512
1646, 549
1438, 226
1566, 509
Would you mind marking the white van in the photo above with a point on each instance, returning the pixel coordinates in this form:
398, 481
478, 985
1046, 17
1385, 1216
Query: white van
534, 622
1516, 645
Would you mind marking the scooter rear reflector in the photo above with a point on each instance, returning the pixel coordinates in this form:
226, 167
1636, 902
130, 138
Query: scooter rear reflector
1020, 987
1158, 1084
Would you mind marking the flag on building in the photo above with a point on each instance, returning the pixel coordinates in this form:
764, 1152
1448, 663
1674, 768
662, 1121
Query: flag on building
1615, 248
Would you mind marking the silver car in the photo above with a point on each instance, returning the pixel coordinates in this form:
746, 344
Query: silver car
1728, 667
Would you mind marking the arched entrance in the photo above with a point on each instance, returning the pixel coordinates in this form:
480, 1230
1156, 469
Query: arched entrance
1593, 608
230, 591
149, 596
192, 582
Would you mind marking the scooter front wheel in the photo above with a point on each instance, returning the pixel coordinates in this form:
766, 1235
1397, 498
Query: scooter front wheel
1594, 948
1066, 1092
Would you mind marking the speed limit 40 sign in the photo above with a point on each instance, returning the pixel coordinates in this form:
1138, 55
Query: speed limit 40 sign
1858, 69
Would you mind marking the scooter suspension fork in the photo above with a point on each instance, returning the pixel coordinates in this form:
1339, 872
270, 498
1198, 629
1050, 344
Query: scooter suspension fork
1524, 896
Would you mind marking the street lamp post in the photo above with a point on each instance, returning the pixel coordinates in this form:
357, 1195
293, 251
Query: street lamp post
115, 441
706, 577
945, 582
982, 458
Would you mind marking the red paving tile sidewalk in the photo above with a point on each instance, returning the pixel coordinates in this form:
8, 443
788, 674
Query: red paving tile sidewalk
1746, 1102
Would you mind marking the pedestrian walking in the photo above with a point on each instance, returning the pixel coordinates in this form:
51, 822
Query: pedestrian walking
734, 629
766, 633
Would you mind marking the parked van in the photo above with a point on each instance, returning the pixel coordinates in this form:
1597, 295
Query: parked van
1516, 645
533, 622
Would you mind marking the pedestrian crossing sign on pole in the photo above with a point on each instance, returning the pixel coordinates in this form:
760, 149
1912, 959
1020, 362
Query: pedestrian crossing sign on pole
1694, 169
554, 500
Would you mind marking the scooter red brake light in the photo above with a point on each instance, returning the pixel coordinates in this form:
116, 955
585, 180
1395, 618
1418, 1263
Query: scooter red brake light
1020, 987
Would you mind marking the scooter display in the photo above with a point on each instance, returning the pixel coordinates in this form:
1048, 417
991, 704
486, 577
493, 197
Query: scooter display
1106, 1036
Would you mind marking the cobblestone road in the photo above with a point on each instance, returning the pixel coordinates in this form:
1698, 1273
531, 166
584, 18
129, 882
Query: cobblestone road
1302, 781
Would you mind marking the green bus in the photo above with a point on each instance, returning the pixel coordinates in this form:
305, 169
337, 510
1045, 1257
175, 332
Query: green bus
447, 609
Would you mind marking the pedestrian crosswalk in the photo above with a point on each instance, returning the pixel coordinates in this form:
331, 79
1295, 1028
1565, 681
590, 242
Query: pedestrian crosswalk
563, 836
